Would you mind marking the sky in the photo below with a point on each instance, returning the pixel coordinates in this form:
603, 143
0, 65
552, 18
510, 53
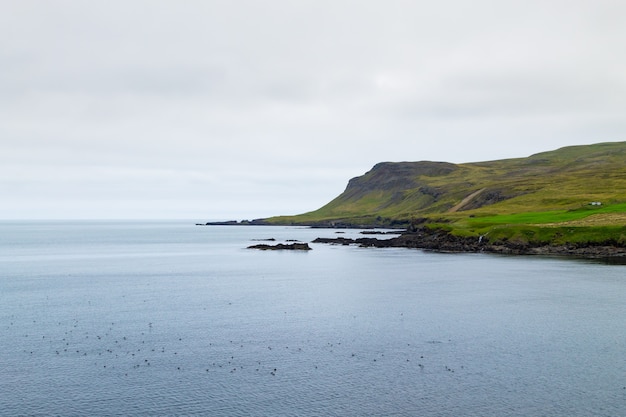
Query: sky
242, 109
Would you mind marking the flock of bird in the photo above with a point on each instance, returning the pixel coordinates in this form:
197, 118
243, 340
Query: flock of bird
110, 348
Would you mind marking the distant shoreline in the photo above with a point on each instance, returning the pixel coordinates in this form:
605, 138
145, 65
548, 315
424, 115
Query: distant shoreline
402, 226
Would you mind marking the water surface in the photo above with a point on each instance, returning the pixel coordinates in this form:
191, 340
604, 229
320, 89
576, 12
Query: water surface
168, 318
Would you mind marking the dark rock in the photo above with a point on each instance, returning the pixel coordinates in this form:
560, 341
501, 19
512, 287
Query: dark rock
335, 240
282, 246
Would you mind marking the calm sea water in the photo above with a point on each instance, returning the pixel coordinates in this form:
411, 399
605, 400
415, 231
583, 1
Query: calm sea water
168, 318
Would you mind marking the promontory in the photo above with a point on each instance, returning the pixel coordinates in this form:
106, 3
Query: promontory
570, 200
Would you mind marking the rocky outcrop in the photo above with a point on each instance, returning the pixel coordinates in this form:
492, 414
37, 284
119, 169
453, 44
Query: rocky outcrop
282, 246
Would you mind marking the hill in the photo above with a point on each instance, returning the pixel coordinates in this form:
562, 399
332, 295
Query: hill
579, 188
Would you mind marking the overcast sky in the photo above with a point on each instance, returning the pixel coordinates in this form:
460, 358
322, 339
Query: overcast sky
205, 109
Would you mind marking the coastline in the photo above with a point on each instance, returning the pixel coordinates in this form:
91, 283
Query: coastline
441, 241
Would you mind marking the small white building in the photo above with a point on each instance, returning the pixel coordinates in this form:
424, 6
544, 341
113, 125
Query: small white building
596, 203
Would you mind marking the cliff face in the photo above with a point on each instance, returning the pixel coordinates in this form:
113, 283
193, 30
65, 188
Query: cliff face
395, 177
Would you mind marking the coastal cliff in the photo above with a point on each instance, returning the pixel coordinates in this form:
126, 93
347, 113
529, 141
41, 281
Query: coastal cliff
570, 198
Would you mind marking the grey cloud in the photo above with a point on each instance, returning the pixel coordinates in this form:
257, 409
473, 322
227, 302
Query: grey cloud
284, 101
514, 95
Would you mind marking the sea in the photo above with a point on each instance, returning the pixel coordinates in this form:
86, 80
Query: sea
167, 318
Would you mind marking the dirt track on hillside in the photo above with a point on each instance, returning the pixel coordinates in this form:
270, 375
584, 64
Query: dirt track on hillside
465, 201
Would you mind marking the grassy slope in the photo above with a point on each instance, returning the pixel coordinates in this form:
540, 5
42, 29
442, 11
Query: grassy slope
542, 198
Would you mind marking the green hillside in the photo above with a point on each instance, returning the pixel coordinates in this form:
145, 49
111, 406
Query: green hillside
531, 197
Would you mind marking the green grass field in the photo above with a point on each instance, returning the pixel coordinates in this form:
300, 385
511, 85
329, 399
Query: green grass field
586, 225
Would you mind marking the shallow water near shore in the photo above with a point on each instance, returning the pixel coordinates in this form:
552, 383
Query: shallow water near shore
169, 318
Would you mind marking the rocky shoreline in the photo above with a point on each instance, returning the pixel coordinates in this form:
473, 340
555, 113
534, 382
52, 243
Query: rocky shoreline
441, 241
420, 237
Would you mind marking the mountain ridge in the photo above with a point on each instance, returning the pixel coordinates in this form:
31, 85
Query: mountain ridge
574, 195
396, 192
